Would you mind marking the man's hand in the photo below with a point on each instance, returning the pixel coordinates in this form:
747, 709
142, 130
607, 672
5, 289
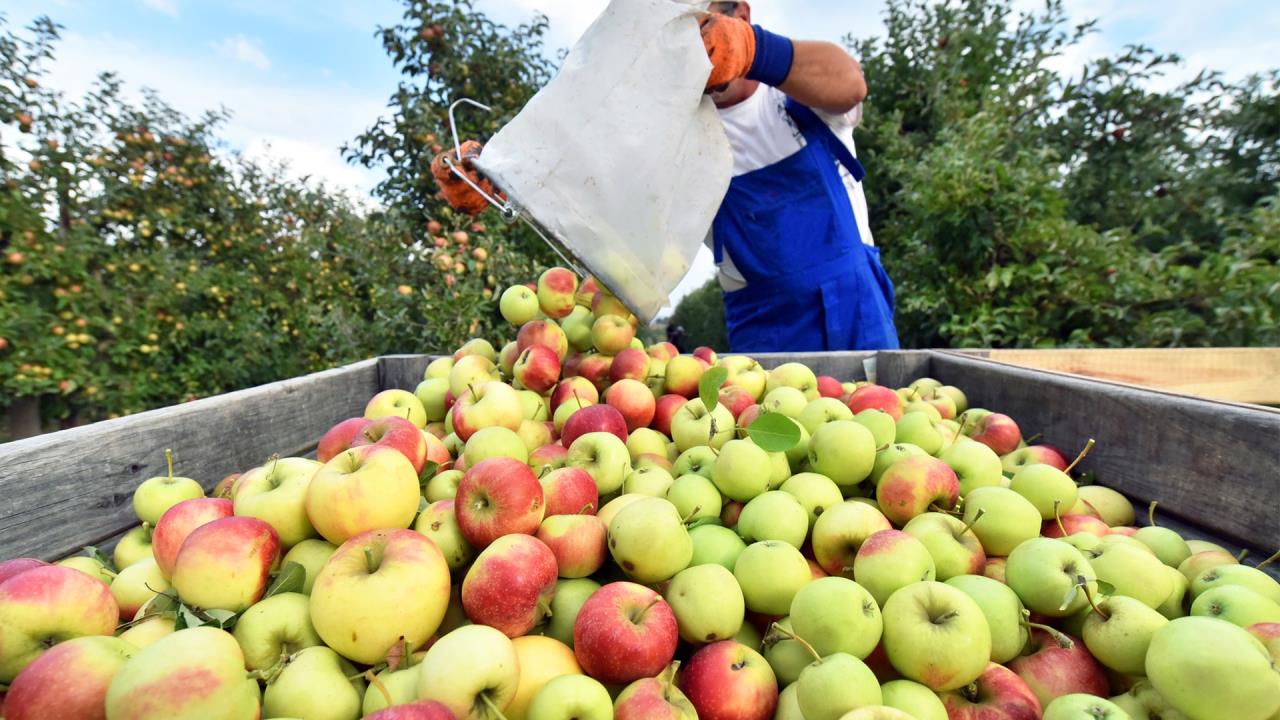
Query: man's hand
457, 192
731, 47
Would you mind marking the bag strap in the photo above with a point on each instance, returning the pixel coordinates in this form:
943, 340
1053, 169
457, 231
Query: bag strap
815, 129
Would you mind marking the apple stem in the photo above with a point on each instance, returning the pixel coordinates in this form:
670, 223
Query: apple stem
668, 676
1243, 554
1033, 438
1151, 513
967, 526
492, 707
374, 681
370, 561
1087, 447
586, 508
1088, 595
1060, 637
689, 518
1057, 516
168, 457
1268, 561
804, 643
146, 531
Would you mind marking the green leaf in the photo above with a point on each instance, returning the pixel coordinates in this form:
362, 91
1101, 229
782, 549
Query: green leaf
709, 386
1105, 587
291, 578
1070, 597
101, 557
428, 471
224, 619
187, 618
774, 432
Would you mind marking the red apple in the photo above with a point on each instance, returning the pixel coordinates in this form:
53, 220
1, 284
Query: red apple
683, 374
736, 399
394, 432
595, 418
178, 522
9, 568
663, 351
1054, 666
543, 332
749, 415
595, 368
1074, 524
576, 541
437, 452
631, 363
730, 512
497, 497
624, 632
44, 605
664, 409
550, 456
537, 368
997, 431
998, 694
510, 584
225, 564
225, 485
913, 485
557, 290
705, 354
829, 387
569, 491
878, 397
633, 400
69, 681
490, 404
571, 387
338, 438
727, 680
1268, 633
654, 698
1124, 530
995, 569
419, 710
1035, 455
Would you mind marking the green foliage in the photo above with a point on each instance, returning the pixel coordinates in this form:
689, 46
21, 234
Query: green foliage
701, 315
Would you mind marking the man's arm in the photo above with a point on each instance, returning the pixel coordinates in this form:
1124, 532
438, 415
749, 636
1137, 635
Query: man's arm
824, 77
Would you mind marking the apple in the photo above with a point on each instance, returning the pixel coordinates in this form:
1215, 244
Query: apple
844, 451
646, 441
390, 431
572, 697
577, 328
632, 399
540, 660
1209, 668
1003, 610
889, 560
443, 485
417, 710
69, 680
881, 424
156, 495
839, 532
225, 564
539, 332
493, 442
1119, 631
648, 540
366, 488
137, 584
624, 632
1051, 490
510, 585
1242, 575
822, 410
630, 364
917, 428
497, 497
787, 656
518, 305
557, 288
276, 492
682, 375
727, 680
439, 368
571, 387
438, 522
998, 694
742, 470
655, 698
9, 568
914, 699
595, 418
338, 438
1237, 605
697, 460
569, 491
566, 602
829, 387
975, 464
157, 682
1133, 572
473, 671
736, 399
1007, 518
835, 686
796, 375
774, 515
815, 493
888, 456
1043, 570
1058, 664
876, 397
535, 435
1080, 706
275, 628
707, 603
913, 485
785, 400
311, 555
664, 411
314, 683
1166, 544
603, 456
548, 457
475, 346
379, 587
956, 550
488, 404
837, 615
177, 523
576, 541
649, 480
399, 403
770, 573
1202, 561
995, 430
537, 368
595, 368
1033, 455
1067, 525
715, 544
936, 635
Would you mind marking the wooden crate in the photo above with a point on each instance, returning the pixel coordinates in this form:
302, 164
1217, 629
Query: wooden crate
1214, 466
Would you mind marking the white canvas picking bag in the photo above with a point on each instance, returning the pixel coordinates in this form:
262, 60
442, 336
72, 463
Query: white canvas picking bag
621, 159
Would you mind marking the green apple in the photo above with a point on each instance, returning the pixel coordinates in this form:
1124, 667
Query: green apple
748, 635
707, 602
133, 546
1047, 487
276, 494
1165, 543
1201, 561
695, 497
742, 470
887, 457
1144, 702
157, 494
610, 509
788, 702
1174, 606
571, 697
937, 635
93, 567
311, 555
431, 393
787, 656
156, 683
834, 685
715, 544
770, 574
565, 604
786, 401
692, 425
881, 424
815, 493
533, 406
646, 441
892, 559
1119, 632
472, 370
439, 523
1132, 572
443, 485
1237, 605
605, 458
796, 375
1043, 571
1113, 508
840, 531
1082, 706
473, 671
1008, 519
439, 368
314, 684
275, 628
1003, 610
823, 410
844, 451
652, 481
780, 466
774, 515
1208, 668
648, 540
917, 428
914, 699
495, 441
518, 305
401, 688
925, 407
837, 615
697, 460
135, 585
975, 464
1242, 575
798, 454
953, 546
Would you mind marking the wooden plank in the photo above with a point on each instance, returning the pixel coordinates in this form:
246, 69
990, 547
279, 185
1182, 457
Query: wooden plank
402, 372
1249, 375
73, 488
1212, 464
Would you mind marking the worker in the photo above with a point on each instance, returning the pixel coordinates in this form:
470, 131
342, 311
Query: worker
791, 242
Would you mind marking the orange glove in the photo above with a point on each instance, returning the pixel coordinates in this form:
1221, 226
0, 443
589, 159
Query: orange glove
457, 192
731, 47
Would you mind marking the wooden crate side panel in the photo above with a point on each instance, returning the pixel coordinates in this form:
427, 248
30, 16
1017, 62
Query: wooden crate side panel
893, 367
402, 372
1212, 464
74, 488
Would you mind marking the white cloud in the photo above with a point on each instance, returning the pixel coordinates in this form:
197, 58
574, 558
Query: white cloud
238, 47
167, 7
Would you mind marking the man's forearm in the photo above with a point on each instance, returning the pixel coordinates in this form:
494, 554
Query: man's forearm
825, 77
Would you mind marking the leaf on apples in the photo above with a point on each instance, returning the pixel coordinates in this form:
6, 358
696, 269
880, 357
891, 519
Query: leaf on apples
422, 504
1105, 587
702, 521
1071, 596
101, 557
187, 618
428, 471
774, 432
291, 578
709, 386
224, 619
398, 655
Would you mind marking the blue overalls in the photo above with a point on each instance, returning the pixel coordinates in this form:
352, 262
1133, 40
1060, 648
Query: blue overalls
812, 285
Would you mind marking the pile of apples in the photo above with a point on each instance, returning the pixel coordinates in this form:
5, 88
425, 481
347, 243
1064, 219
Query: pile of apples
577, 527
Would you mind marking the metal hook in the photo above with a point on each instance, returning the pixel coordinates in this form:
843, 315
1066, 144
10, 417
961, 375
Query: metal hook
453, 125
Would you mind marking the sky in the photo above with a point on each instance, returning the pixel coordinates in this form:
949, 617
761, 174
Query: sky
303, 76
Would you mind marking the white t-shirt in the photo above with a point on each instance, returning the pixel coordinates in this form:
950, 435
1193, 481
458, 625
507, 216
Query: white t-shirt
762, 133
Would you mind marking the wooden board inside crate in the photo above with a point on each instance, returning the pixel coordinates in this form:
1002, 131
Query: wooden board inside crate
73, 488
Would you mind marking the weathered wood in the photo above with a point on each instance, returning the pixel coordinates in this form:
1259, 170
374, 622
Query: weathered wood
73, 488
402, 372
1212, 464
1250, 375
